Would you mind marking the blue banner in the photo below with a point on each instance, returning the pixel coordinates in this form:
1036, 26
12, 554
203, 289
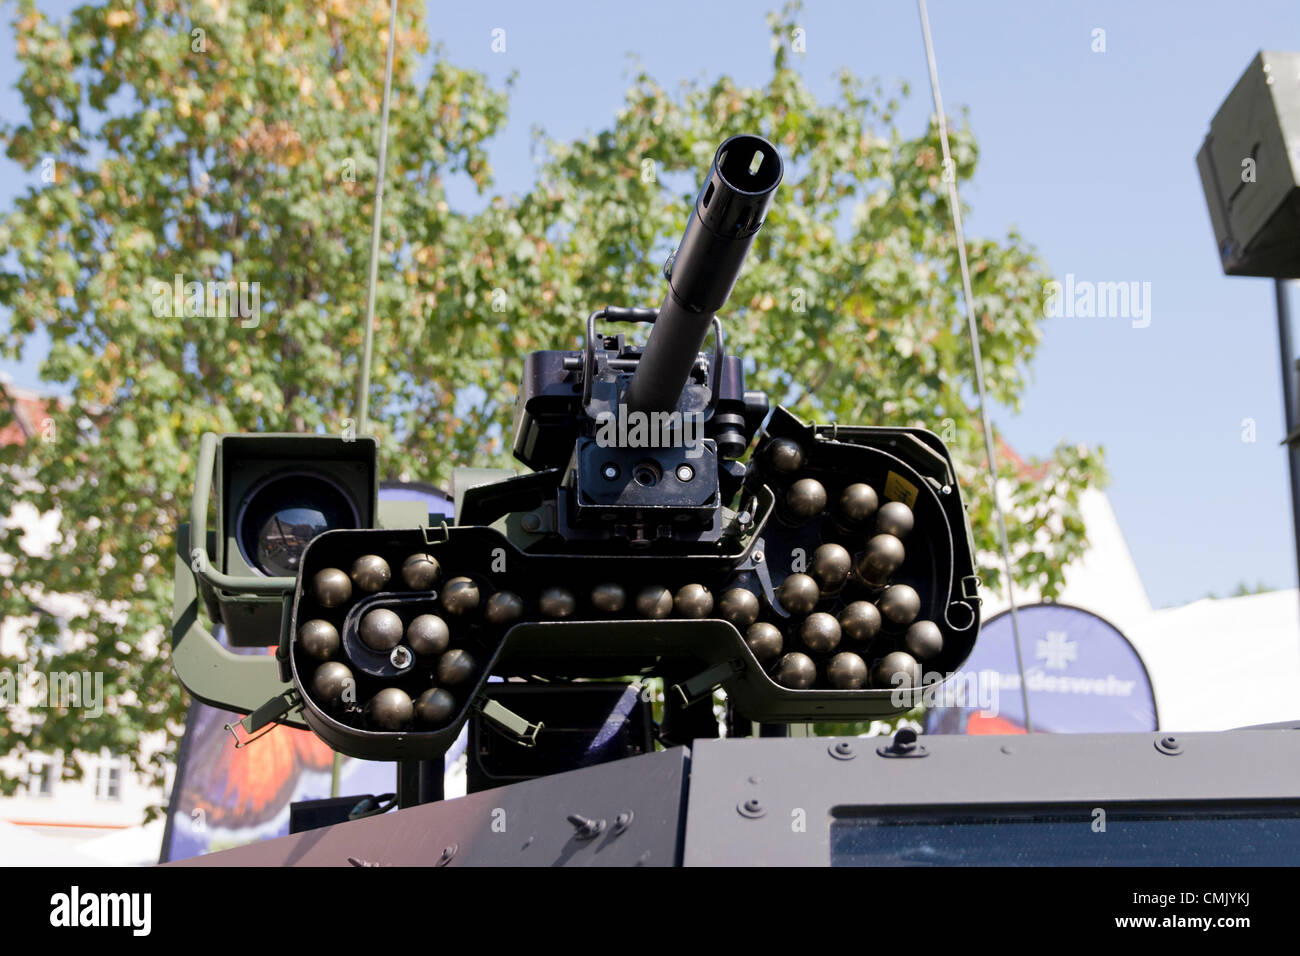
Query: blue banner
1082, 676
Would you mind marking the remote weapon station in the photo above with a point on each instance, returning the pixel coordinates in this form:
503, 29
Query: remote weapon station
671, 525
673, 537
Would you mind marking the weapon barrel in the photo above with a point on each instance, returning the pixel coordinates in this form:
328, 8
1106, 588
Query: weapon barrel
728, 213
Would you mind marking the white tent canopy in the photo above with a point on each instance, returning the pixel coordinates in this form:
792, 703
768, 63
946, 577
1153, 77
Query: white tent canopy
1231, 662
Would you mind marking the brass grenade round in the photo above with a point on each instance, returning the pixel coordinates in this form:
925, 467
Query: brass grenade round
460, 596
739, 606
428, 635
455, 667
557, 602
830, 565
897, 669
900, 604
820, 632
390, 709
381, 629
420, 572
435, 706
320, 639
858, 502
894, 518
860, 620
799, 593
847, 671
370, 573
796, 671
923, 640
503, 608
765, 641
806, 498
654, 601
608, 598
785, 456
332, 683
331, 587
693, 601
881, 558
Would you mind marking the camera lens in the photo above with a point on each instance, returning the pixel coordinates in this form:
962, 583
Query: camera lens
647, 473
281, 515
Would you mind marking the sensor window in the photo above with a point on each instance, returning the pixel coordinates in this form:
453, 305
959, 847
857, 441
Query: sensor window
282, 514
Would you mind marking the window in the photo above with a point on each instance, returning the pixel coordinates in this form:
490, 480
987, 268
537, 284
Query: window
108, 781
40, 779
1209, 834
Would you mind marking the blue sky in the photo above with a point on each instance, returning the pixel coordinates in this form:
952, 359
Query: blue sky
1090, 155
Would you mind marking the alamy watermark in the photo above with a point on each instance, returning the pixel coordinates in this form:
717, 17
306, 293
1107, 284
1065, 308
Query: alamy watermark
131, 911
637, 429
211, 299
974, 690
1084, 299
67, 690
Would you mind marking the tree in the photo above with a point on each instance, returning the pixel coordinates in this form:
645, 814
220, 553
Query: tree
1244, 590
234, 140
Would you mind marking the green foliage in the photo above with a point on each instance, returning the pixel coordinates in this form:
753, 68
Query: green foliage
1243, 590
246, 152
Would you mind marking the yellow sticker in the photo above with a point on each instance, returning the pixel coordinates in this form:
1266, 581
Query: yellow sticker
898, 488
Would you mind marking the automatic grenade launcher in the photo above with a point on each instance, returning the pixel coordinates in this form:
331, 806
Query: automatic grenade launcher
825, 578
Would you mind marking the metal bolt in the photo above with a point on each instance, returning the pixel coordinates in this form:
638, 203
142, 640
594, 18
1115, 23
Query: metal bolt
904, 744
622, 822
447, 853
586, 827
531, 522
842, 750
400, 657
685, 472
610, 471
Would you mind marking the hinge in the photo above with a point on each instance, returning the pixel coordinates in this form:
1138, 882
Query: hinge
509, 723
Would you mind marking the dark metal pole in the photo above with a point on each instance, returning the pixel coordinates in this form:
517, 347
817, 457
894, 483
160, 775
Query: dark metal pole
408, 784
1289, 399
419, 782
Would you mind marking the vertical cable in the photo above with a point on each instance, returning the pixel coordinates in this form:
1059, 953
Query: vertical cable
363, 399
950, 176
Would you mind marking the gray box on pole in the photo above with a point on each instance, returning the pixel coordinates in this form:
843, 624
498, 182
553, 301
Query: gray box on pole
1250, 170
